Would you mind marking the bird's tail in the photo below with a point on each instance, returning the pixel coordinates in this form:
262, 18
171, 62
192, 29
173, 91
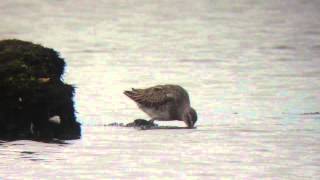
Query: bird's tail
134, 94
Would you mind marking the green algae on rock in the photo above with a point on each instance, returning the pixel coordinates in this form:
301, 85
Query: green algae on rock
32, 92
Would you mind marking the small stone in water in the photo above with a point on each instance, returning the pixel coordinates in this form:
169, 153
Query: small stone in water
141, 123
138, 123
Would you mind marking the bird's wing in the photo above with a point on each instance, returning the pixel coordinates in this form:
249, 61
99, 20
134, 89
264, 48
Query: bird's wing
149, 97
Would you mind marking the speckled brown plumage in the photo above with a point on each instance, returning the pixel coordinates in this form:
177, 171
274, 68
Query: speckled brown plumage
164, 103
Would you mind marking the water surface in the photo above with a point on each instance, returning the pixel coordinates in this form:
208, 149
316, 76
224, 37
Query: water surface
251, 68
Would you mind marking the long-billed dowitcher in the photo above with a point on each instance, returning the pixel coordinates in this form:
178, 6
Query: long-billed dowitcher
165, 103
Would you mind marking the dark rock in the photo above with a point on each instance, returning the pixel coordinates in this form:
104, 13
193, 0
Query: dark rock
32, 92
138, 123
142, 124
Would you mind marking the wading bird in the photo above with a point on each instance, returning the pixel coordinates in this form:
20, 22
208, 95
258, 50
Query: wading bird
165, 103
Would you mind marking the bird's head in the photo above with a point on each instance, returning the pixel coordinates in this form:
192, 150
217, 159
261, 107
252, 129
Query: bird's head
190, 117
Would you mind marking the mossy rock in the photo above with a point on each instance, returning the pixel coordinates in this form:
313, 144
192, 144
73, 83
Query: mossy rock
24, 65
32, 91
33, 59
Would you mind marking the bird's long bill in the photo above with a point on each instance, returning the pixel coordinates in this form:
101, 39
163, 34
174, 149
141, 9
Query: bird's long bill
189, 123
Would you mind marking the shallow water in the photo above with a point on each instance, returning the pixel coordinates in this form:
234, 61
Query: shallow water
251, 69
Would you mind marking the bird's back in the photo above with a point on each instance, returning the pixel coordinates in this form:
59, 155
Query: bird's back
165, 102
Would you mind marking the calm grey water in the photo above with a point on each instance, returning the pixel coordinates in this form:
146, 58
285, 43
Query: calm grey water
252, 69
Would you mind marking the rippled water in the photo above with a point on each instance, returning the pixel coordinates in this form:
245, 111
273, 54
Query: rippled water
251, 68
